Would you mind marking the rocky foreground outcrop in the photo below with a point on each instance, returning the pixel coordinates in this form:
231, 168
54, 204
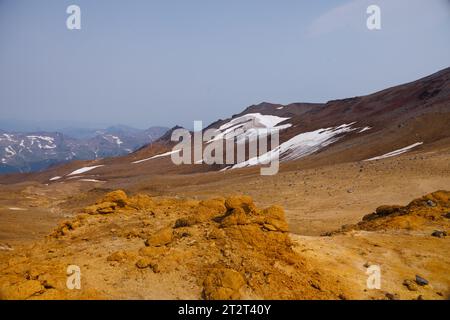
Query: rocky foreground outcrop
152, 248
427, 211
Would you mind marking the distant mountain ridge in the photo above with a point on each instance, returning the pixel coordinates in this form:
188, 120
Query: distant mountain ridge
35, 151
409, 118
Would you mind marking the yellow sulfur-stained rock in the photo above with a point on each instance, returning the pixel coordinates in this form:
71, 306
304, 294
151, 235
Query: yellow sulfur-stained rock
121, 256
160, 238
216, 206
152, 251
101, 208
118, 197
143, 263
223, 284
21, 291
274, 216
236, 217
244, 202
141, 202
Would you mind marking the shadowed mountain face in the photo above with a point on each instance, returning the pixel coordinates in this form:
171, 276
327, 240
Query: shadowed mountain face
25, 152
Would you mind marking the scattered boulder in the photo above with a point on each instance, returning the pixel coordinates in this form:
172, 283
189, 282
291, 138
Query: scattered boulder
368, 217
237, 216
146, 262
274, 219
119, 197
66, 227
421, 281
186, 222
271, 219
439, 234
216, 206
244, 202
143, 263
155, 267
411, 285
223, 284
414, 216
431, 203
113, 201
392, 296
383, 211
120, 256
433, 200
152, 251
101, 208
160, 238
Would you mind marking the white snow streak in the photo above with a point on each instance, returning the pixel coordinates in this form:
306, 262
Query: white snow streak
157, 156
364, 129
83, 170
247, 126
396, 152
10, 151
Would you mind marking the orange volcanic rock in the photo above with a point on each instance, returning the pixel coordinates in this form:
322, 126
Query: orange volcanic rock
419, 213
229, 248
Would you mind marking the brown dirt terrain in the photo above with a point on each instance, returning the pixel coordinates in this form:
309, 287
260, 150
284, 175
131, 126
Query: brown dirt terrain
145, 247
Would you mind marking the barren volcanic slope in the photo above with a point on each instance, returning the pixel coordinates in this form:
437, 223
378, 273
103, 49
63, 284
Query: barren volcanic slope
408, 117
311, 231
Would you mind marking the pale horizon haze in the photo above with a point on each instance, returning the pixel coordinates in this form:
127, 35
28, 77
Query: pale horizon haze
166, 63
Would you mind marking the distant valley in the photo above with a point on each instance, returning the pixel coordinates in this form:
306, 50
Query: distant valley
36, 151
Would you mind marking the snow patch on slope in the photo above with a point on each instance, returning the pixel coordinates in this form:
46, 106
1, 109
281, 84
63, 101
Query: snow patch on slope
10, 151
45, 138
396, 152
83, 170
364, 129
157, 156
117, 140
249, 123
49, 141
8, 137
300, 146
91, 180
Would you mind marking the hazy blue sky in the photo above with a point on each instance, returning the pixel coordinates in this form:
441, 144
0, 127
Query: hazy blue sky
167, 62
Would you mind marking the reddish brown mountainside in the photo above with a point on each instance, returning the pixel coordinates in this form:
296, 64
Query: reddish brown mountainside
389, 120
